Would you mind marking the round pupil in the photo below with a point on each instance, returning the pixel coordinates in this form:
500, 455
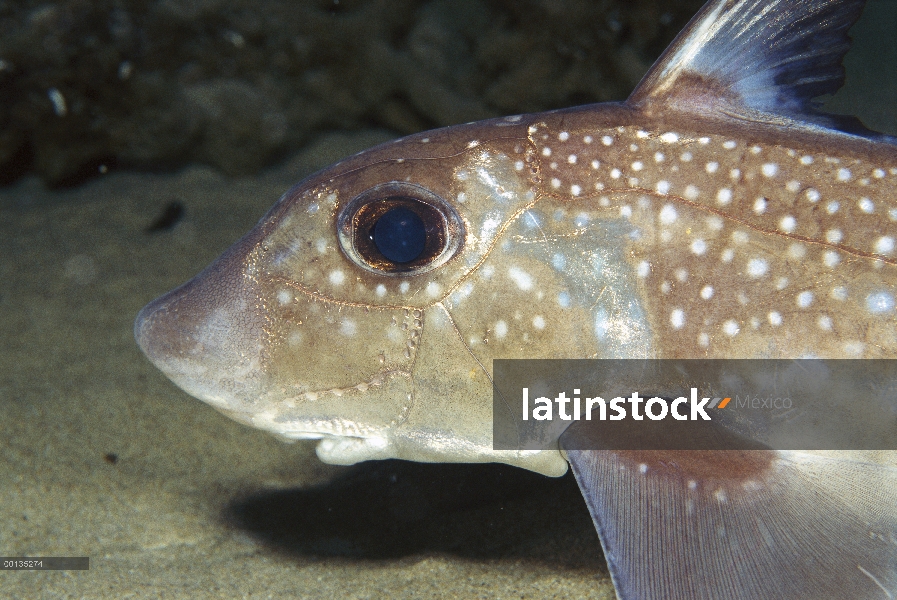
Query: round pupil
400, 235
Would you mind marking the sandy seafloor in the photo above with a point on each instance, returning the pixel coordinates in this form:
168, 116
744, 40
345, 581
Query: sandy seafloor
101, 456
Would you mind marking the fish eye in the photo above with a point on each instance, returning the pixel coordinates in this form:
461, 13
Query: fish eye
399, 228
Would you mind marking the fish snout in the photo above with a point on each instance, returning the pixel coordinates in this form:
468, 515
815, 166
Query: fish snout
207, 336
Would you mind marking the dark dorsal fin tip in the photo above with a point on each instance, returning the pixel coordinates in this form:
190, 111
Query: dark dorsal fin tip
755, 56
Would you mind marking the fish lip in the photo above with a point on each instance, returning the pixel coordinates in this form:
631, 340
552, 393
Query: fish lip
301, 428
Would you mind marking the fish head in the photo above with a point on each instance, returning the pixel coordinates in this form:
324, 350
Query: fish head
310, 328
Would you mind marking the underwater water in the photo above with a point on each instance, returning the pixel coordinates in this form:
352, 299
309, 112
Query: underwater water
101, 456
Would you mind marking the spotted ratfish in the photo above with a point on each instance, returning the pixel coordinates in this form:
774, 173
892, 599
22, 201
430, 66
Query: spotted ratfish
714, 214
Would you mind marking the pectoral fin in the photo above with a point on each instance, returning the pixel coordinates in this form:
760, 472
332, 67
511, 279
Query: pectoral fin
742, 524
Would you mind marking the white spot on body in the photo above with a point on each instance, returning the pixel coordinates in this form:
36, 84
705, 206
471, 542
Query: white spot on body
724, 196
336, 277
380, 290
433, 289
879, 302
805, 299
669, 137
699, 247
707, 292
348, 327
677, 318
797, 251
691, 192
866, 205
539, 322
501, 329
844, 174
757, 267
668, 214
884, 245
662, 187
643, 269
839, 293
788, 223
770, 169
731, 328
775, 319
284, 297
813, 195
559, 261
523, 279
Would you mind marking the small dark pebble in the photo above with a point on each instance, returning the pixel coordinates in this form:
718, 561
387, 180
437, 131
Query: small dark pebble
171, 216
111, 458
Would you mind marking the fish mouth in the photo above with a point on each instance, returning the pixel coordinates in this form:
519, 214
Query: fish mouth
340, 441
281, 419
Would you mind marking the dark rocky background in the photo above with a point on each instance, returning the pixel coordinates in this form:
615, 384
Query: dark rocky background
87, 85
238, 84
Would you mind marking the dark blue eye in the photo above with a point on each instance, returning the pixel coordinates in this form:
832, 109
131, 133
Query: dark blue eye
399, 229
400, 235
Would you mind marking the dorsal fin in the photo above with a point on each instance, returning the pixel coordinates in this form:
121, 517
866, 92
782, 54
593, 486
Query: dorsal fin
754, 60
